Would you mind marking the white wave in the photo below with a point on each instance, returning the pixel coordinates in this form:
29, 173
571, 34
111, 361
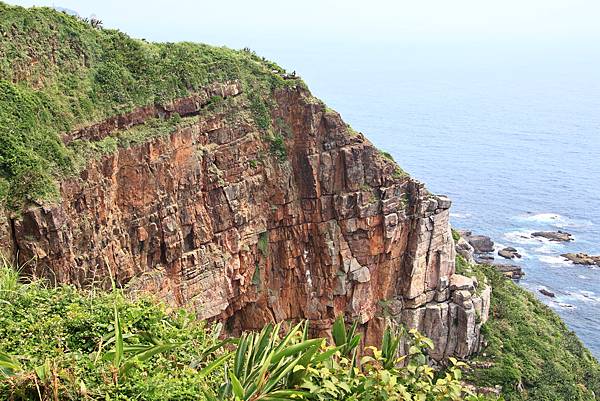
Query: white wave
556, 220
590, 295
548, 247
583, 296
498, 246
554, 260
572, 223
457, 215
543, 217
520, 237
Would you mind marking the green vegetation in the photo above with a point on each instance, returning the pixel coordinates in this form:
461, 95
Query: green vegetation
387, 155
399, 173
263, 243
283, 127
277, 146
58, 72
533, 355
466, 269
455, 235
260, 111
67, 344
83, 151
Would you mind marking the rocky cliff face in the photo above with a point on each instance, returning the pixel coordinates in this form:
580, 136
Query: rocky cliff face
216, 218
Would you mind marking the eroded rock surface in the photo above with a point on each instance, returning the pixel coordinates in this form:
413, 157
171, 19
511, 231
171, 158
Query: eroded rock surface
465, 249
547, 293
509, 253
511, 271
582, 259
557, 236
209, 218
480, 243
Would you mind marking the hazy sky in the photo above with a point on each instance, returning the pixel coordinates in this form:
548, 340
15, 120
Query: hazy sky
238, 23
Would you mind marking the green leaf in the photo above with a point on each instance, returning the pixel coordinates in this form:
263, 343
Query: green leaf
8, 365
43, 371
144, 356
213, 365
238, 390
338, 331
295, 349
118, 340
284, 395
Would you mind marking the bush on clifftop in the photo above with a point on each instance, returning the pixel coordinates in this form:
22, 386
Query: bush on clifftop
58, 73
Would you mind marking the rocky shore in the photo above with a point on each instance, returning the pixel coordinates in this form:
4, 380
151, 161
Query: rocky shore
479, 248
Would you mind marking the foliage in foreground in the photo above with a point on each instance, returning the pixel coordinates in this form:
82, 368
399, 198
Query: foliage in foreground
533, 355
61, 343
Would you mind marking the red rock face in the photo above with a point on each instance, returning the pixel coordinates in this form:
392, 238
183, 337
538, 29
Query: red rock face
210, 219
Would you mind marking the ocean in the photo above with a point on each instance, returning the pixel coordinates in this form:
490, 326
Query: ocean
510, 133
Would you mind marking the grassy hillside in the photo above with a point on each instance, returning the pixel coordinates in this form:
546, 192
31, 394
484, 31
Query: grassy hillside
58, 72
533, 355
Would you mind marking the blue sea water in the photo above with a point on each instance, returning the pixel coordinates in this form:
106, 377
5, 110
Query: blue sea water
511, 134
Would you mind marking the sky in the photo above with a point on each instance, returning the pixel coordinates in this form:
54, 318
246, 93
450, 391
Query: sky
240, 23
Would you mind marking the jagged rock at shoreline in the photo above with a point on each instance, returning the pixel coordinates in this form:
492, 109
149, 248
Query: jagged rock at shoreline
509, 253
547, 293
511, 271
557, 236
582, 259
484, 258
481, 243
464, 249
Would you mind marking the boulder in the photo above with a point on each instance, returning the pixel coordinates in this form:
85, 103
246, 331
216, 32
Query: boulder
362, 275
557, 236
582, 259
481, 243
443, 202
513, 272
464, 249
460, 282
547, 293
464, 233
509, 253
485, 259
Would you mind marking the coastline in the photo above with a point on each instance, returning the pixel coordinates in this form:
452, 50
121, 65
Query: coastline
481, 249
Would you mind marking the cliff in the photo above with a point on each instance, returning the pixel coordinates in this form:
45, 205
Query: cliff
210, 217
247, 203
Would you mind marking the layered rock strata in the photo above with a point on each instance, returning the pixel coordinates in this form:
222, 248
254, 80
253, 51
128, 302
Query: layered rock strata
212, 217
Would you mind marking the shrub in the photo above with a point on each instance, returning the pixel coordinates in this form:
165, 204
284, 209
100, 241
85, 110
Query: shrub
277, 146
455, 235
68, 344
260, 111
